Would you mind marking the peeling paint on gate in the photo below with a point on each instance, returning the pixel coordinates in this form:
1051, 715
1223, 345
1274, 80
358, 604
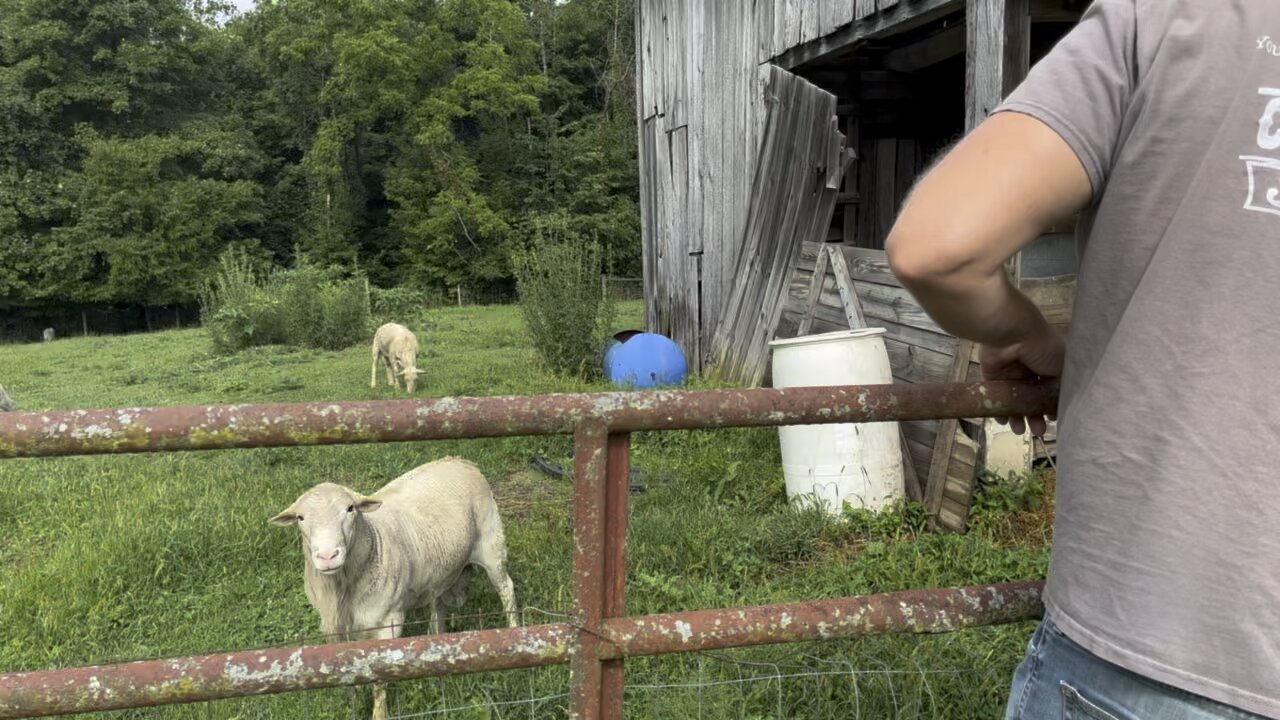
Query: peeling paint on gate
258, 672
91, 432
599, 638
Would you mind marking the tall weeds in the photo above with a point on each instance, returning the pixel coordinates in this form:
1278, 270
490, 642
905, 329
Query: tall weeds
567, 313
305, 306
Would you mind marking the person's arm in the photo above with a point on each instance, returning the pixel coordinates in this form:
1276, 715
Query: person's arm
993, 193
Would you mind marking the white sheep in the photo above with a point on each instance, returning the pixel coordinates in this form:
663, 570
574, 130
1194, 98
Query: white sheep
6, 402
370, 560
396, 346
49, 335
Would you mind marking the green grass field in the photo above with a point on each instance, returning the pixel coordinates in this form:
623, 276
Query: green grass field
128, 557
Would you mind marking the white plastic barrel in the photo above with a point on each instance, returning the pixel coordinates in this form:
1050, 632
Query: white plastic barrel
859, 464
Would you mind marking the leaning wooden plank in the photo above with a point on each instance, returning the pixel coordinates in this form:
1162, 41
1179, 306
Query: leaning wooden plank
848, 296
942, 447
789, 206
864, 8
857, 320
815, 290
896, 305
958, 491
777, 257
920, 454
883, 307
724, 349
920, 440
910, 478
921, 431
948, 517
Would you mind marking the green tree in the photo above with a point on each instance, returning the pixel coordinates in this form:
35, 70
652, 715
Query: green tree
88, 92
340, 77
447, 185
416, 141
158, 210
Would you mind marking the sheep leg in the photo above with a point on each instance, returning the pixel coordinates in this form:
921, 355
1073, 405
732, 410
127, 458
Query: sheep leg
435, 617
391, 375
391, 627
491, 554
373, 372
497, 572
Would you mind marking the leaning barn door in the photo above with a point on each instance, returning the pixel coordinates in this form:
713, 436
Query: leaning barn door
797, 179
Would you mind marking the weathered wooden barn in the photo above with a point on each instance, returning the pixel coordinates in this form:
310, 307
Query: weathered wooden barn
773, 128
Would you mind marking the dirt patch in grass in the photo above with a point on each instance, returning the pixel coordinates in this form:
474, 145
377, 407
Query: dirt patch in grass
1032, 527
525, 493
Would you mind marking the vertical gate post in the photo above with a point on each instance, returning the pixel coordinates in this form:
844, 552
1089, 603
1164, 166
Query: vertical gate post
618, 477
590, 466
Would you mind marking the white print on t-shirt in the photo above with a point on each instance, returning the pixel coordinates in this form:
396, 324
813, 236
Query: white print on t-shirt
1267, 45
1264, 172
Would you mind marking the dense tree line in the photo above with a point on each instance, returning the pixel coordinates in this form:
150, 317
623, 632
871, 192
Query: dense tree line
419, 141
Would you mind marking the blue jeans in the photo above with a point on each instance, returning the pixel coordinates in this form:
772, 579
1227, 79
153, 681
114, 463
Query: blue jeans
1059, 680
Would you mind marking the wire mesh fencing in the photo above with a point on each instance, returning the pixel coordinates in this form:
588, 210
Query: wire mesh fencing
955, 675
886, 678
621, 289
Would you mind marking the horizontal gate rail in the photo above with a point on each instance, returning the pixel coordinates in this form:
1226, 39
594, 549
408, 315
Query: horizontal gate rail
199, 427
257, 672
600, 636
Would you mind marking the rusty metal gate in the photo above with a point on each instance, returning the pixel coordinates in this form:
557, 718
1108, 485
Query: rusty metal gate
601, 635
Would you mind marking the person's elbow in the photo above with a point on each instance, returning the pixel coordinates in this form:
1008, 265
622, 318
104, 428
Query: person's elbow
922, 256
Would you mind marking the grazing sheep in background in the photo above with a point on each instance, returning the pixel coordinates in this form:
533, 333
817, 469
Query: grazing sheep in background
6, 402
396, 346
49, 335
370, 560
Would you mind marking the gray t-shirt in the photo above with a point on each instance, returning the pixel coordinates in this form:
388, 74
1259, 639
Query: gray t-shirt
1166, 553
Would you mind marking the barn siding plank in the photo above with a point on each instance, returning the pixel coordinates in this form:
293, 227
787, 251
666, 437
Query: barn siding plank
791, 204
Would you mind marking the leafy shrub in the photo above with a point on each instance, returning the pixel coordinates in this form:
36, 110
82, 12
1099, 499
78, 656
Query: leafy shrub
237, 306
902, 519
564, 308
320, 308
996, 499
399, 304
1015, 492
306, 306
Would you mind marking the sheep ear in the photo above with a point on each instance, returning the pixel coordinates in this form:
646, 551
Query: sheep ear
367, 504
285, 519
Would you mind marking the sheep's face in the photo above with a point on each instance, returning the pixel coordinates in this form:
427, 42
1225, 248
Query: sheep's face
327, 515
410, 375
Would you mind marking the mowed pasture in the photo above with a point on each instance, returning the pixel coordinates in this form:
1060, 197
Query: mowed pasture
114, 558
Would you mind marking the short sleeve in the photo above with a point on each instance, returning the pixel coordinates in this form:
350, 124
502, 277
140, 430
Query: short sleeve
1082, 88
